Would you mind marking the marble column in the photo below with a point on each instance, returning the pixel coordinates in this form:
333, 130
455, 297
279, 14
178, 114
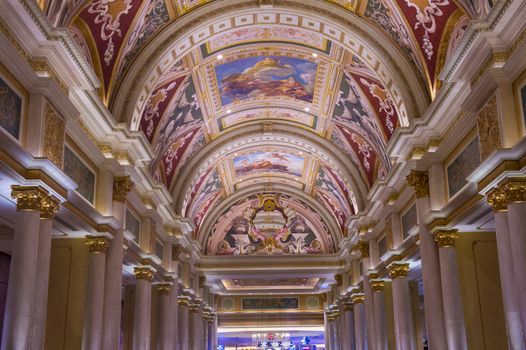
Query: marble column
510, 292
348, 325
48, 211
184, 336
329, 333
215, 339
113, 271
142, 311
360, 332
326, 330
19, 311
380, 314
433, 304
403, 316
209, 319
515, 190
174, 331
196, 336
451, 293
164, 326
93, 315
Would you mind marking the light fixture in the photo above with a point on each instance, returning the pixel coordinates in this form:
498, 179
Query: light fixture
307, 109
314, 55
219, 57
229, 111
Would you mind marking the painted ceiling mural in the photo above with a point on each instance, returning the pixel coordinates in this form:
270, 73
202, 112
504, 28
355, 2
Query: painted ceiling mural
269, 75
269, 224
115, 32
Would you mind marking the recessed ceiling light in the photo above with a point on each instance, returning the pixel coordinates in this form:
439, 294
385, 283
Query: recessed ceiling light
314, 55
219, 57
307, 109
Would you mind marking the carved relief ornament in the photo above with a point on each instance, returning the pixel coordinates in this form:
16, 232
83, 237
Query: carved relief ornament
377, 285
121, 187
54, 134
419, 181
489, 128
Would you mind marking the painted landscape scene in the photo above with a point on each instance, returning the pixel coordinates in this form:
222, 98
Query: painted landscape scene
266, 76
268, 162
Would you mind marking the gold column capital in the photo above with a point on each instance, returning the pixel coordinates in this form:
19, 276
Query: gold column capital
144, 273
446, 238
49, 207
121, 187
164, 288
514, 189
398, 269
97, 244
358, 298
377, 285
28, 197
419, 181
497, 199
182, 301
194, 308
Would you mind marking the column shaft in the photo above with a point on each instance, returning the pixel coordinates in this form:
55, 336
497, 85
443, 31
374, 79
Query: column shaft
142, 315
164, 327
93, 316
42, 283
113, 285
183, 326
380, 319
433, 304
349, 328
20, 298
174, 307
517, 225
403, 316
510, 293
360, 332
452, 296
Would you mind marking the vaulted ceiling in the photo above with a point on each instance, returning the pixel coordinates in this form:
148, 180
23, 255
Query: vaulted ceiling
246, 100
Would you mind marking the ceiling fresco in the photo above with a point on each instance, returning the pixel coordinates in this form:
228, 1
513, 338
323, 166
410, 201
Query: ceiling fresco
269, 224
271, 76
285, 75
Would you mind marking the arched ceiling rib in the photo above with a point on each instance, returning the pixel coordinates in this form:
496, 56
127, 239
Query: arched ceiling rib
233, 96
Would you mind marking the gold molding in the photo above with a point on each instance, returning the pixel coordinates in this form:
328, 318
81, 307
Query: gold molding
419, 181
446, 238
398, 269
97, 244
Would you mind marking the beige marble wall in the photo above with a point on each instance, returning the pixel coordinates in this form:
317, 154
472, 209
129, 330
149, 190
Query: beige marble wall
67, 294
481, 293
